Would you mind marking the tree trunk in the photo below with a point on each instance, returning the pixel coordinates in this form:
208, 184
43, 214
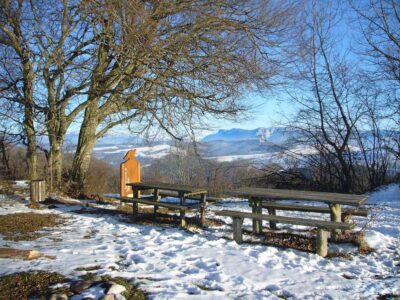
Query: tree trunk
4, 158
31, 155
86, 143
55, 163
29, 126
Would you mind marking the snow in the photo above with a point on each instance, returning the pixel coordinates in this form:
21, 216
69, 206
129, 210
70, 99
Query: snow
105, 148
175, 263
21, 183
156, 151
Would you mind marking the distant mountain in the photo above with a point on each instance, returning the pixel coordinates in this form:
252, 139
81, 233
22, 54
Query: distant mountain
234, 134
268, 136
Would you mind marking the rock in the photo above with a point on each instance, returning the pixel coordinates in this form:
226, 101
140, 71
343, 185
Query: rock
79, 286
109, 297
58, 297
52, 206
116, 289
18, 253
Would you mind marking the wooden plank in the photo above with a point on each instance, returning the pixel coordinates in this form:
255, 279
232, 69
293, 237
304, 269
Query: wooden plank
309, 208
192, 197
162, 204
167, 186
281, 194
287, 220
37, 193
129, 199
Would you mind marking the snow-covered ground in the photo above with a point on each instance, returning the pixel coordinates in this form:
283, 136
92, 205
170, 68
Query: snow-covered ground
170, 263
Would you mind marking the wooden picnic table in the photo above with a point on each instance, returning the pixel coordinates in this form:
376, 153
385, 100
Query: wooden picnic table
183, 193
257, 198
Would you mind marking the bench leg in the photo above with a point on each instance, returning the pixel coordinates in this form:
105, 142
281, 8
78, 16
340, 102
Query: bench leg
202, 214
336, 216
155, 212
322, 242
202, 208
272, 212
237, 230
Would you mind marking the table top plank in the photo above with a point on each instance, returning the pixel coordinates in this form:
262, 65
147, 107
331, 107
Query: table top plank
281, 194
168, 187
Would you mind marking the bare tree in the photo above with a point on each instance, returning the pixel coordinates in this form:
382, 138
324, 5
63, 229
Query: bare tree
14, 46
379, 21
325, 88
169, 64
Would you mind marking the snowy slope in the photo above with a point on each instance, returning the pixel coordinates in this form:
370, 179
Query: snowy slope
115, 154
174, 263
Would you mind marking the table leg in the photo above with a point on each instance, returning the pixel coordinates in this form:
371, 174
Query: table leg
202, 208
156, 198
135, 205
336, 216
182, 201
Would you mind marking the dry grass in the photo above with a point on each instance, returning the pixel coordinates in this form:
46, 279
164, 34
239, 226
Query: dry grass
26, 285
25, 226
290, 240
357, 238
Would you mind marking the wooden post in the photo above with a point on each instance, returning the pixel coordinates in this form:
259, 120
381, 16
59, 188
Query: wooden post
256, 209
156, 198
202, 208
237, 229
272, 212
135, 205
336, 216
37, 193
322, 242
129, 173
182, 211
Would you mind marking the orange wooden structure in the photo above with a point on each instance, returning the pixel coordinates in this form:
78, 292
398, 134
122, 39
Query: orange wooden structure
129, 173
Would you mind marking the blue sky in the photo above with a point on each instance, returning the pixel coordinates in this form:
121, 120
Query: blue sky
268, 110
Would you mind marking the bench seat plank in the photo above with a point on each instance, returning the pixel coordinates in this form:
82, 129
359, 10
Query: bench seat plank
308, 208
287, 220
161, 204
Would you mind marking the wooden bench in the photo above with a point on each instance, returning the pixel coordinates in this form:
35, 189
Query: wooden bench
272, 207
258, 196
322, 226
158, 189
